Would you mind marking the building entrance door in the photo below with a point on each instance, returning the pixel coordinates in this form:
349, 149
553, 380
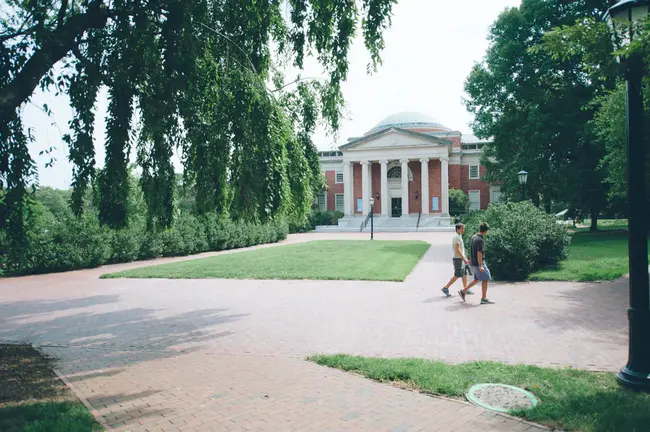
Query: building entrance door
396, 207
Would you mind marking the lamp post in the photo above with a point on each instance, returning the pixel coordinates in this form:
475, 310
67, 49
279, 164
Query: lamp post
372, 216
523, 179
622, 18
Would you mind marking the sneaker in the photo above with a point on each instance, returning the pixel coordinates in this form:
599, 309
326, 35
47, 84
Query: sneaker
469, 292
461, 294
486, 301
445, 291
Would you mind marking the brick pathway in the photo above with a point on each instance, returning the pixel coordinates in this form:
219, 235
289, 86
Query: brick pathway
227, 355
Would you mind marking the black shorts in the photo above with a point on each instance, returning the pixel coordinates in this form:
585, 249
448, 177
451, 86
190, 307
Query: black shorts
459, 267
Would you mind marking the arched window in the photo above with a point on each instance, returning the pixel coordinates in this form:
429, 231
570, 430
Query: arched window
395, 173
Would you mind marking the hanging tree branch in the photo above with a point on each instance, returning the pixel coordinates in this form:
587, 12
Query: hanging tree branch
59, 43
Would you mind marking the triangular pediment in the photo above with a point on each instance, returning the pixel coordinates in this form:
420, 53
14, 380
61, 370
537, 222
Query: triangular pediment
394, 138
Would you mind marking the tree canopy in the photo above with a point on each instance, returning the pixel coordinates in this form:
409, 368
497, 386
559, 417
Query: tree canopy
536, 107
202, 76
589, 39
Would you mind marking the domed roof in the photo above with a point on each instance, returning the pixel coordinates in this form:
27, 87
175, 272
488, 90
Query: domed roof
409, 120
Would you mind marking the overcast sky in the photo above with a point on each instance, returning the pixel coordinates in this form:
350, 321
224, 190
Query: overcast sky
430, 50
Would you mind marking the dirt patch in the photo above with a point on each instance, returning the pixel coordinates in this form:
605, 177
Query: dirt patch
27, 376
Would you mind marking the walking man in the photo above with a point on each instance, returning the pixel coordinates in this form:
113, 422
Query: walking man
478, 265
459, 260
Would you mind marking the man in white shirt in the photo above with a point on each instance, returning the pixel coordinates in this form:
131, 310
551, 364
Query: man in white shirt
459, 259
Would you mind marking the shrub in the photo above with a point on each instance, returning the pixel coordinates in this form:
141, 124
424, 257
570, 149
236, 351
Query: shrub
458, 202
521, 239
325, 218
63, 242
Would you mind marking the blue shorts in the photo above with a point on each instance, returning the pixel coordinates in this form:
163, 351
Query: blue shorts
479, 275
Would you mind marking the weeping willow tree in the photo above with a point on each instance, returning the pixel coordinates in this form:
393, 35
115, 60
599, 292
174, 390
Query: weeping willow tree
197, 76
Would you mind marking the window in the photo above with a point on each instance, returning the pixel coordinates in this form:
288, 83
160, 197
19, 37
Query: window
340, 202
474, 172
496, 196
339, 177
395, 173
474, 200
322, 201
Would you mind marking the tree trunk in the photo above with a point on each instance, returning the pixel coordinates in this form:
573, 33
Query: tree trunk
59, 43
594, 220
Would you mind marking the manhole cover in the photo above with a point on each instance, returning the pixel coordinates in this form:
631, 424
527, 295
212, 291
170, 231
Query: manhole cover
500, 397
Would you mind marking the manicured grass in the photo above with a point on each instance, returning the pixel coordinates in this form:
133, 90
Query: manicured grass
47, 417
33, 399
604, 225
569, 398
592, 256
328, 260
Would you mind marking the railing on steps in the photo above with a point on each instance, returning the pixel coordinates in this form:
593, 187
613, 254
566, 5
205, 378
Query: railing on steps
365, 223
418, 224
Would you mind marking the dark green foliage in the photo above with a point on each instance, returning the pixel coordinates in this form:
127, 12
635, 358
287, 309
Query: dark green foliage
315, 219
458, 202
537, 108
57, 240
521, 239
326, 218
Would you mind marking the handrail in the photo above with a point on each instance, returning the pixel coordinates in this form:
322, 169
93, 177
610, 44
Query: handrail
365, 223
418, 224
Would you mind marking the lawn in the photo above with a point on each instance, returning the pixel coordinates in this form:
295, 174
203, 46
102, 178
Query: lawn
326, 260
33, 399
569, 399
592, 256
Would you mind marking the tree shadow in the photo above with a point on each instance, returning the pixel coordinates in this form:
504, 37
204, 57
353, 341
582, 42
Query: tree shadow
28, 308
105, 337
599, 308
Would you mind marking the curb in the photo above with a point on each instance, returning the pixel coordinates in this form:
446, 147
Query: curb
81, 398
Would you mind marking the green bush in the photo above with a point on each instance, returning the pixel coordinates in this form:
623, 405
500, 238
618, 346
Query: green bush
521, 239
458, 202
326, 218
63, 242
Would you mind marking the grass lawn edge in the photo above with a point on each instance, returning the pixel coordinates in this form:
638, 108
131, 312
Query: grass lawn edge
34, 395
569, 399
208, 267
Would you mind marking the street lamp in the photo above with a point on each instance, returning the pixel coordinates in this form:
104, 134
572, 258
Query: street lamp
372, 212
623, 18
523, 179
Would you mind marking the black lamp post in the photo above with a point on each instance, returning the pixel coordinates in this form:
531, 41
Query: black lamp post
372, 216
623, 17
523, 179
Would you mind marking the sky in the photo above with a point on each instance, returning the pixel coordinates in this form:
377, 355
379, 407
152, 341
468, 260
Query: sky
430, 50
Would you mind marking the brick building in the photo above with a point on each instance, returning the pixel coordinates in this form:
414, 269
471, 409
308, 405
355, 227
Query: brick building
406, 166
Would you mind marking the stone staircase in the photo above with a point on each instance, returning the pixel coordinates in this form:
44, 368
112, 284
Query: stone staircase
406, 223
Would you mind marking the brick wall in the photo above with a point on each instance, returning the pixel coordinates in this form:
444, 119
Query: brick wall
415, 185
376, 187
358, 191
435, 184
467, 184
333, 188
458, 179
454, 177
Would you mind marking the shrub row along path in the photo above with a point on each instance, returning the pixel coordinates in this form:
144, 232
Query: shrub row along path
229, 354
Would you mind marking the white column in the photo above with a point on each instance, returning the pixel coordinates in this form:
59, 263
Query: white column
424, 194
347, 188
384, 189
405, 186
444, 184
365, 187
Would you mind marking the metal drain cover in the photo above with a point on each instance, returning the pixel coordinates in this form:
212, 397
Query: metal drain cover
501, 397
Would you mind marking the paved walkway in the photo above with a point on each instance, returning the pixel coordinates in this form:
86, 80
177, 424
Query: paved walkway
228, 354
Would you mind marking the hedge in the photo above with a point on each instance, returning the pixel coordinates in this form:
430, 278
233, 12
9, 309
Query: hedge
63, 242
521, 239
